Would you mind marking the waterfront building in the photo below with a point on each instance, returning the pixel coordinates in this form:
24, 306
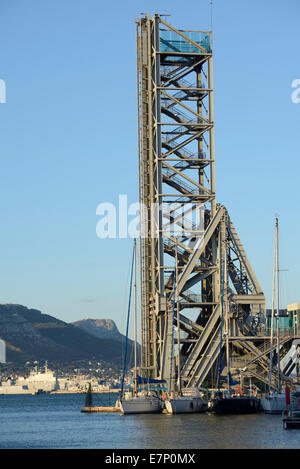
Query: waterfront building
293, 313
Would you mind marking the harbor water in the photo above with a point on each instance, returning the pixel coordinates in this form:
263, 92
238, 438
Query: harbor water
55, 421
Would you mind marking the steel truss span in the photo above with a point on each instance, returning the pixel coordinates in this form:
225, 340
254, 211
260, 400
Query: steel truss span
197, 284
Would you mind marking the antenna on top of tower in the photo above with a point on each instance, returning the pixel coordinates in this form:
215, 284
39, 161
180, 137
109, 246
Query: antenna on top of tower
211, 14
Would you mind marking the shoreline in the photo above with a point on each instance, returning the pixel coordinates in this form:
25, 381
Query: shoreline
56, 392
84, 392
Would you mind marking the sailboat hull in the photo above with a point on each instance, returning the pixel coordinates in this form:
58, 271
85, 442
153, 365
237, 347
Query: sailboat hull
276, 404
184, 405
235, 405
140, 405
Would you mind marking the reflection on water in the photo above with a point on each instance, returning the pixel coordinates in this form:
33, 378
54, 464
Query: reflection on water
55, 421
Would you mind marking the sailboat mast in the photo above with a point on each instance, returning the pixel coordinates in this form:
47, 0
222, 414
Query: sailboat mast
135, 321
277, 325
272, 316
226, 316
222, 272
127, 328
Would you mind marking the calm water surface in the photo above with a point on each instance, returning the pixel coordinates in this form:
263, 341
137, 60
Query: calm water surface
55, 421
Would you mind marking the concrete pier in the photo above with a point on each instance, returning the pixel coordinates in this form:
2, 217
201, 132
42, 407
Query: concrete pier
100, 409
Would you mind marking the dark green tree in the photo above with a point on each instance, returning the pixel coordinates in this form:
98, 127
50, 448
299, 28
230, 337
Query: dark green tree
88, 399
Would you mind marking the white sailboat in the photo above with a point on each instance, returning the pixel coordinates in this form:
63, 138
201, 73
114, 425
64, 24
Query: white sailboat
186, 400
189, 401
144, 401
274, 402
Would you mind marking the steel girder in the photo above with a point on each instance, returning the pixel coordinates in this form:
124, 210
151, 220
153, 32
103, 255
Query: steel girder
191, 257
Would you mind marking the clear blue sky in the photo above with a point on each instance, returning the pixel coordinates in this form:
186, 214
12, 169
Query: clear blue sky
70, 73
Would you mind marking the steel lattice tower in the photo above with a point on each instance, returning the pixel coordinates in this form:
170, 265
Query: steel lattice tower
197, 284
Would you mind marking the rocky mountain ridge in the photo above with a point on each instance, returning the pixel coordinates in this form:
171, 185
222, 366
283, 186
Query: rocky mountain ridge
31, 335
102, 328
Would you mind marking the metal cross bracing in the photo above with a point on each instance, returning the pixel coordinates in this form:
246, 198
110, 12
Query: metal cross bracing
194, 270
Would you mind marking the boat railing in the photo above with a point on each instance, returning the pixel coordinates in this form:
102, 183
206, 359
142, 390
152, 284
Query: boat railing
190, 392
